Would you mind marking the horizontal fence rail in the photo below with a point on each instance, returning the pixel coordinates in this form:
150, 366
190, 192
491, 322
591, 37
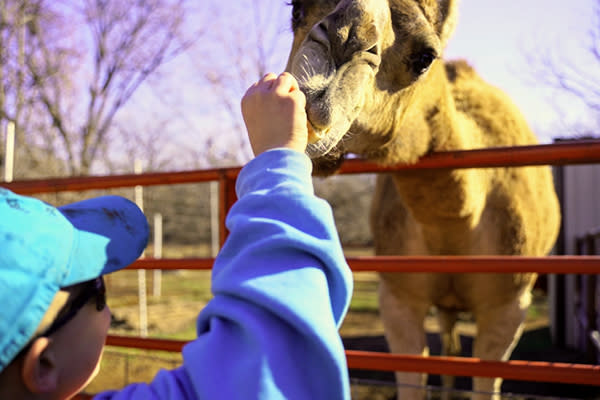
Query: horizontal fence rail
561, 153
78, 184
580, 152
458, 366
439, 264
537, 371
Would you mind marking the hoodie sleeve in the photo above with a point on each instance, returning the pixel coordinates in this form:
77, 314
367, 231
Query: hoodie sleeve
281, 289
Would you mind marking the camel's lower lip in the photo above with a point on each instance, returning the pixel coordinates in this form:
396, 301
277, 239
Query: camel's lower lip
314, 135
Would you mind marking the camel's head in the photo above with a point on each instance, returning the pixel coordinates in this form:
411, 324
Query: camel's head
357, 61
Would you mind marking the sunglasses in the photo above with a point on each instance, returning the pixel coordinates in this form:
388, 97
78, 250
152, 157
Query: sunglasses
92, 290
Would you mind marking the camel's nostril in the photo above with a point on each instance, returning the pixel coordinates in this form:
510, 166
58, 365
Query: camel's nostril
373, 50
319, 34
323, 26
372, 57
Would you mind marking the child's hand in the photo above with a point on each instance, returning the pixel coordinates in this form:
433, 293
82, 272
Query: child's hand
273, 110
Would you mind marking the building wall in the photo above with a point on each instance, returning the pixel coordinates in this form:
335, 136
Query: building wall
578, 187
581, 202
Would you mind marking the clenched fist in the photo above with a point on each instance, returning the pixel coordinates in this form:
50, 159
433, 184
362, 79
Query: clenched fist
273, 111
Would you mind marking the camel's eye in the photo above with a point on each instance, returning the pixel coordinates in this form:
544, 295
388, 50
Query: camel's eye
422, 60
297, 12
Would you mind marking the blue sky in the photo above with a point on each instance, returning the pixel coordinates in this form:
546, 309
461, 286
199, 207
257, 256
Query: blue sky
497, 38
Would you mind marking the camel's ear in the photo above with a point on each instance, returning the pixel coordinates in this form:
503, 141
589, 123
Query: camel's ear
448, 18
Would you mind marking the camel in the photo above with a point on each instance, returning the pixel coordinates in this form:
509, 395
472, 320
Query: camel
377, 87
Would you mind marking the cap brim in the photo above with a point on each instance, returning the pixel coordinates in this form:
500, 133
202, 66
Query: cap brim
111, 232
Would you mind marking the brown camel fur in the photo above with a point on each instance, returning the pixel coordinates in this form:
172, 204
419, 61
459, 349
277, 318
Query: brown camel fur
377, 86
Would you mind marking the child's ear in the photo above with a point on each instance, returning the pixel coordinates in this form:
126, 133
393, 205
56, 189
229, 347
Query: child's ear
40, 371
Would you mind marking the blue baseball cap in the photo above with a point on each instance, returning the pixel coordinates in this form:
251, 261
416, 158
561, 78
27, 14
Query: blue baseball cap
44, 249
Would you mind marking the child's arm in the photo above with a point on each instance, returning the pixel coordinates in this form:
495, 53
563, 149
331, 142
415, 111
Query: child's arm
281, 289
281, 284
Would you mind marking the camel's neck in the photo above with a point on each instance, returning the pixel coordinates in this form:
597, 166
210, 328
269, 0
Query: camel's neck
420, 119
444, 198
433, 124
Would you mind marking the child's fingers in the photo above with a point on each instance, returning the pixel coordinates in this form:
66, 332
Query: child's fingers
268, 80
269, 76
265, 83
286, 83
290, 80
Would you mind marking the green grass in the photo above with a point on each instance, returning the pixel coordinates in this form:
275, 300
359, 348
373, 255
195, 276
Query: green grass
364, 296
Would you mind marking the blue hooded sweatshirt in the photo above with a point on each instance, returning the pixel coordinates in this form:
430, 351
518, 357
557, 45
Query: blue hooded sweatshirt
281, 289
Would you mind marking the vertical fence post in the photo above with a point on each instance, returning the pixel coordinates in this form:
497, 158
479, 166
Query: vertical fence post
126, 374
158, 242
227, 198
143, 302
9, 158
214, 218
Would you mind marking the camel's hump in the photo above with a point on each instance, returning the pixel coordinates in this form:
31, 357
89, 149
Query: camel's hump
459, 69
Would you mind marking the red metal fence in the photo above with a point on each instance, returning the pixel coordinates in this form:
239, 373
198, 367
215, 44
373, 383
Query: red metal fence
567, 153
588, 307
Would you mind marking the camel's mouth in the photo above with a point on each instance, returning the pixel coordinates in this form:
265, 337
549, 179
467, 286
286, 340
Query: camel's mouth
333, 102
335, 93
315, 134
321, 141
332, 113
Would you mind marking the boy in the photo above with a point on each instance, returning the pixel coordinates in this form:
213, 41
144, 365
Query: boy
281, 285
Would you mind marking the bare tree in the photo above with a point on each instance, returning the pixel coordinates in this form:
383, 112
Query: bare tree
80, 62
17, 101
140, 140
575, 76
244, 43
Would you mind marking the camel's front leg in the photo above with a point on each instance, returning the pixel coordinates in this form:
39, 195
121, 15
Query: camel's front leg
403, 318
499, 329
